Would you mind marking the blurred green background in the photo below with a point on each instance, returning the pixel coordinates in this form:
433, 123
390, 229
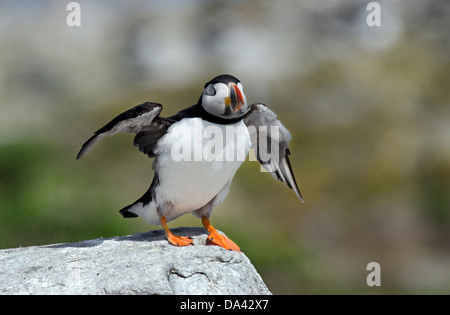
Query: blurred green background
368, 107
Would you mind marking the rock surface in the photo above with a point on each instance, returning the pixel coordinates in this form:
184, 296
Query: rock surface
142, 263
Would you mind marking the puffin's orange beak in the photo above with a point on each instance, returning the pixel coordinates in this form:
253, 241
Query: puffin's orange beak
235, 99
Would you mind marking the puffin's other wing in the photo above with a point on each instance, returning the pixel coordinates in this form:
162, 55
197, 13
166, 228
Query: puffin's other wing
144, 117
270, 141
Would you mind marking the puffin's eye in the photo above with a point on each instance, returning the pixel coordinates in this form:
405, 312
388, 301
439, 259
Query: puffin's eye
210, 90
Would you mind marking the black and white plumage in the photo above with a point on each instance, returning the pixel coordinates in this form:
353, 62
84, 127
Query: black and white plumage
276, 162
197, 185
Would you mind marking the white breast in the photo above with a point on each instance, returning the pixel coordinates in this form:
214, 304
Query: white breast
195, 160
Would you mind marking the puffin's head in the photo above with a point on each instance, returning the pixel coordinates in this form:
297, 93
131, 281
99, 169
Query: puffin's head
224, 97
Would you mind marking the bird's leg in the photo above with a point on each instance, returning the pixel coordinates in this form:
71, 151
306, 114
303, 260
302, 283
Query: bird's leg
214, 238
174, 239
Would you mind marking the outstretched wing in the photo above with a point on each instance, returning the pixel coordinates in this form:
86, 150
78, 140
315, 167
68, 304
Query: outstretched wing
142, 118
270, 141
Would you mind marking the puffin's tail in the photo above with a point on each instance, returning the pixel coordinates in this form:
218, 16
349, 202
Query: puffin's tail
133, 210
126, 213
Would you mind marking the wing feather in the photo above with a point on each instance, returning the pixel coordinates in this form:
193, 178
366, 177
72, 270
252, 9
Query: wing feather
134, 120
270, 141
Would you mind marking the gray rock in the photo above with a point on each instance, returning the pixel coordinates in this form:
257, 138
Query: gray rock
141, 263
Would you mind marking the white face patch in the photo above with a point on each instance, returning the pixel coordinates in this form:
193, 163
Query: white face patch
215, 104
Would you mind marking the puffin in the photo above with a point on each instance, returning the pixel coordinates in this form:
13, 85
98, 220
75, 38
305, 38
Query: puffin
197, 152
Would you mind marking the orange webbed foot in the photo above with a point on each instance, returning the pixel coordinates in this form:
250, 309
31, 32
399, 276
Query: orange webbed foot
215, 238
175, 239
180, 240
